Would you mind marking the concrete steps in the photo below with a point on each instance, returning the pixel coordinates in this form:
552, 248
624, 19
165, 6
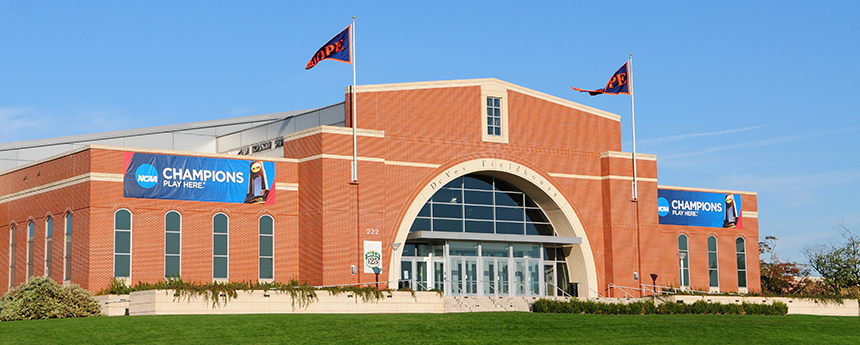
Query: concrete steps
465, 304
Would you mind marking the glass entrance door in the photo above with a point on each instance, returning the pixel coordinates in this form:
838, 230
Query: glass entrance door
527, 277
438, 274
413, 274
495, 277
464, 276
549, 279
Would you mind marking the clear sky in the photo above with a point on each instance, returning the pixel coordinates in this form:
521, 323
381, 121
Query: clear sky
752, 96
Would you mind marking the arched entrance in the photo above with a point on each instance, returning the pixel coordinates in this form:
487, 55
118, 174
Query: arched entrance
494, 257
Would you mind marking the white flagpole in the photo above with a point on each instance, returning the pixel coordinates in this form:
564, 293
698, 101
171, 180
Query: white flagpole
354, 125
633, 121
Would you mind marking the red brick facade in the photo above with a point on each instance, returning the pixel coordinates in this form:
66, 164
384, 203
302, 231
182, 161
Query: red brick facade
410, 136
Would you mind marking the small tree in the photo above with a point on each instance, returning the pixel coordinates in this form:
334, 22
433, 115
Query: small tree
42, 298
837, 262
780, 277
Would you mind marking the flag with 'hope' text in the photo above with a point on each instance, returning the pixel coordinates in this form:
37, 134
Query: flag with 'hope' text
336, 49
618, 84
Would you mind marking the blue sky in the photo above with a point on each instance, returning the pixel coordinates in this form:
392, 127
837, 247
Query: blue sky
754, 96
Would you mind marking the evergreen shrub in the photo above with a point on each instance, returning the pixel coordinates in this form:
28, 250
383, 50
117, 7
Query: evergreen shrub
42, 298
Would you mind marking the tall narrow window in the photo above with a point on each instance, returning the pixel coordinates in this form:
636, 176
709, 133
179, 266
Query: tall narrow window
684, 262
172, 244
742, 262
68, 250
122, 244
220, 240
13, 242
494, 116
31, 233
713, 271
266, 247
49, 244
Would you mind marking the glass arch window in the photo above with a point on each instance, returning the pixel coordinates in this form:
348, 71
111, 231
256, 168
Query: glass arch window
220, 240
172, 243
266, 247
49, 244
740, 245
13, 242
713, 270
31, 233
122, 244
482, 204
684, 262
68, 248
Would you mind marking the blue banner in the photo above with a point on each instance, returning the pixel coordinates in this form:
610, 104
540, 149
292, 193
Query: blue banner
152, 176
716, 210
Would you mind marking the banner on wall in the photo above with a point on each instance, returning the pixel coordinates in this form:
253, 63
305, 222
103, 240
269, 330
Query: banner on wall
372, 256
153, 176
716, 210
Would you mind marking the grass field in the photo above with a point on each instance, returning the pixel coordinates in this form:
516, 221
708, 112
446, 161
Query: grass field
468, 328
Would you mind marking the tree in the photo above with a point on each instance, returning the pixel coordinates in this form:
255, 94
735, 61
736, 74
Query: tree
780, 277
837, 262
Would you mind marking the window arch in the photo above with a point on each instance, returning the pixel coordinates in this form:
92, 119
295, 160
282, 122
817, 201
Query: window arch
684, 263
220, 246
713, 269
740, 248
49, 244
31, 233
122, 244
67, 276
172, 244
13, 242
266, 247
482, 204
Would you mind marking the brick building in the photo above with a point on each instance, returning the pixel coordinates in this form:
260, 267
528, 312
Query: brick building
474, 187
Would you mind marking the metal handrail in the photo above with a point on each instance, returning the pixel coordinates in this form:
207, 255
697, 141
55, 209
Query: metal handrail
611, 285
687, 290
562, 291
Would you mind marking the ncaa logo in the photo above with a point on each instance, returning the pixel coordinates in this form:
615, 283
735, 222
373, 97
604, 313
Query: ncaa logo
662, 206
146, 176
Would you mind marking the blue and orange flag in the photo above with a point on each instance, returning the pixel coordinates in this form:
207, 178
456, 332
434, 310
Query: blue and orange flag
618, 84
336, 49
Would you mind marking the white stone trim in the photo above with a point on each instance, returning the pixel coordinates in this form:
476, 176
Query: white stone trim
628, 155
573, 176
709, 190
413, 164
106, 177
483, 82
286, 186
334, 130
195, 154
341, 157
607, 177
562, 216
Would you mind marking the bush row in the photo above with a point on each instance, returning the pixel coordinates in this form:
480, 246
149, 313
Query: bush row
576, 306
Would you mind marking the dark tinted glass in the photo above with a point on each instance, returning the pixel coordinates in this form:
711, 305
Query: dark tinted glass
122, 220
479, 227
172, 221
447, 225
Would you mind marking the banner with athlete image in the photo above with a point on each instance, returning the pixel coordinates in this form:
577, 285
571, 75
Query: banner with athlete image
716, 210
154, 176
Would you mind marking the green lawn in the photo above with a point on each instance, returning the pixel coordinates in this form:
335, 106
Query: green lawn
472, 328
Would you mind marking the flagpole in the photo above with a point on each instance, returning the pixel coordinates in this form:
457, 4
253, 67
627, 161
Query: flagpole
354, 110
633, 121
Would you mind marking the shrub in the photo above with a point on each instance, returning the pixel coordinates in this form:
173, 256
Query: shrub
576, 306
42, 298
